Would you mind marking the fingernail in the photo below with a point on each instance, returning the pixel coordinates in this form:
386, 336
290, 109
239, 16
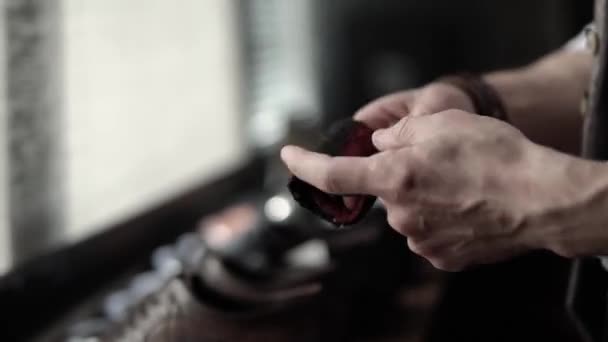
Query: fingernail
286, 153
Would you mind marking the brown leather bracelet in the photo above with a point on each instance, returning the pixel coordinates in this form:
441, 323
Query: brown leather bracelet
484, 97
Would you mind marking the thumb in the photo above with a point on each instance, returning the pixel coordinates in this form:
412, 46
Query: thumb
396, 136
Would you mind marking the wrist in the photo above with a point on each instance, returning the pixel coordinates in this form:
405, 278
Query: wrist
543, 99
485, 98
575, 220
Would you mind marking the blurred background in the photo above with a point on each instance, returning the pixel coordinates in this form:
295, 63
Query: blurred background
126, 122
127, 104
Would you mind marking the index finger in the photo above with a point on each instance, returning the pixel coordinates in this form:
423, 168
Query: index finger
384, 112
335, 175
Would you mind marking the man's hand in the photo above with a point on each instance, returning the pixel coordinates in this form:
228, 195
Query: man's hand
432, 98
466, 189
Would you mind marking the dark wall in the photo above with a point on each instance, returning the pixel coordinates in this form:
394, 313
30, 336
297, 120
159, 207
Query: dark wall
369, 48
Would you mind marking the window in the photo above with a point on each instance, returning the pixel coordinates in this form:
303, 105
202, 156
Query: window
149, 104
152, 103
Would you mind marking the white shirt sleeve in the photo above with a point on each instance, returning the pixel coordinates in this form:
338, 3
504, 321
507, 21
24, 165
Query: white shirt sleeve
578, 43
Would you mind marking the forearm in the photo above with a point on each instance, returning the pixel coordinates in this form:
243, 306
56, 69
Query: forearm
543, 99
577, 223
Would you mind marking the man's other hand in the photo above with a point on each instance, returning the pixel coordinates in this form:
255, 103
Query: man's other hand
430, 99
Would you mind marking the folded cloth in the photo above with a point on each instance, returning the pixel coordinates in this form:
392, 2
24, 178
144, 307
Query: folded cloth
345, 138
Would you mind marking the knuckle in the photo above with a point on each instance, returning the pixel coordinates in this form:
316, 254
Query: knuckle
400, 175
403, 222
563, 249
392, 193
406, 182
378, 165
454, 112
566, 253
393, 221
385, 167
419, 248
425, 250
404, 129
414, 246
561, 244
449, 116
331, 181
446, 265
443, 149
